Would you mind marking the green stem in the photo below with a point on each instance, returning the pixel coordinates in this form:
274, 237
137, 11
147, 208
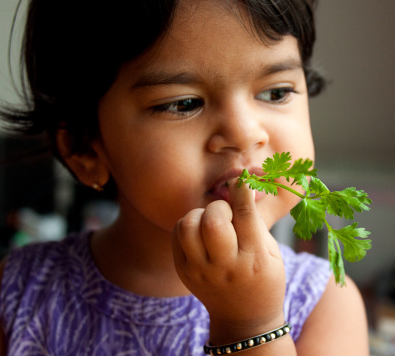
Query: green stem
327, 225
289, 189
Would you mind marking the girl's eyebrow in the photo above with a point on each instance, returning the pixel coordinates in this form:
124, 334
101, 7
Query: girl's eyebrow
289, 64
162, 77
158, 77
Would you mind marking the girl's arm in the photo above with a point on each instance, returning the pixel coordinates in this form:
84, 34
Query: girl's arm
226, 256
337, 325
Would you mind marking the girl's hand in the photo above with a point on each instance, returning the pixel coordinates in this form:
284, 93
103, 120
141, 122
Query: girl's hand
227, 258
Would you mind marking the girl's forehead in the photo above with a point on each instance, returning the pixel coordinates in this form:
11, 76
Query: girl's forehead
210, 41
203, 29
201, 15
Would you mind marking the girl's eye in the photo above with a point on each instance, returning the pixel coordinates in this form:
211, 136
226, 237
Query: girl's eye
181, 107
276, 95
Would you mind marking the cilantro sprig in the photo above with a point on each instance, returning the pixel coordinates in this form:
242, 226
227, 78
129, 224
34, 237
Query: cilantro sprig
318, 201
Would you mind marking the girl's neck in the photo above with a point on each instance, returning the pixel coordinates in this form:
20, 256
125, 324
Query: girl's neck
137, 258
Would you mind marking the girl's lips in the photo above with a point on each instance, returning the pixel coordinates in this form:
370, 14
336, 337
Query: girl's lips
220, 189
220, 192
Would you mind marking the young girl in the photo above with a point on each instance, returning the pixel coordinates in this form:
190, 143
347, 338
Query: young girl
170, 100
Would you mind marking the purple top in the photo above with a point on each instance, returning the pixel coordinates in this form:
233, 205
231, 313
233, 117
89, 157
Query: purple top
54, 301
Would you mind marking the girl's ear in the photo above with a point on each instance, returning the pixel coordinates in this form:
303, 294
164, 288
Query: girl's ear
88, 168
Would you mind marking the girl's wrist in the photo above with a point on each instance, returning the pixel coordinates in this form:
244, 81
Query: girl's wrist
249, 343
228, 331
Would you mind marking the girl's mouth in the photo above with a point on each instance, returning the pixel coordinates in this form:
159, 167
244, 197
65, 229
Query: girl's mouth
220, 190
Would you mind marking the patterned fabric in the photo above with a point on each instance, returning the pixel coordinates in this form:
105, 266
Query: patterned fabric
54, 301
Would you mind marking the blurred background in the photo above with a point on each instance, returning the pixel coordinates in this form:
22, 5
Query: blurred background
353, 124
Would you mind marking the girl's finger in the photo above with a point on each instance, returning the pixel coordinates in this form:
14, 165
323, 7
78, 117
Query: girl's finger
187, 237
218, 233
247, 222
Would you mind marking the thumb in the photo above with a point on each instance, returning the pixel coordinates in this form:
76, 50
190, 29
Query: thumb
246, 219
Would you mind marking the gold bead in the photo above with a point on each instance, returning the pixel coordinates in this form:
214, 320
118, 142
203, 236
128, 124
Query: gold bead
250, 342
272, 336
286, 329
281, 333
219, 352
228, 350
262, 340
97, 187
239, 346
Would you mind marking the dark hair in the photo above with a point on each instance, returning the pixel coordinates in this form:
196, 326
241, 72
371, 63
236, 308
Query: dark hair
73, 49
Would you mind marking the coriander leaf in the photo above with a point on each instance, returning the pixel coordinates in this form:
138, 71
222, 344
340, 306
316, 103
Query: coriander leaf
342, 203
354, 249
357, 199
336, 204
254, 182
243, 176
301, 179
317, 187
336, 260
280, 166
302, 167
309, 216
279, 163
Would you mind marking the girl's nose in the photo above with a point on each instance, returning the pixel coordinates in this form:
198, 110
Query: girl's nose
238, 130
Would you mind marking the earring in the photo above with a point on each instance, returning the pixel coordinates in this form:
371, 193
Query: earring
97, 186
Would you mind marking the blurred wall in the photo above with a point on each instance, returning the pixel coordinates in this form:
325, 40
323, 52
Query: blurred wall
353, 121
355, 118
7, 10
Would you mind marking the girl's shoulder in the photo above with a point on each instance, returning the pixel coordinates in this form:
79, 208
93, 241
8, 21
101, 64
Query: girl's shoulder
42, 258
307, 277
31, 270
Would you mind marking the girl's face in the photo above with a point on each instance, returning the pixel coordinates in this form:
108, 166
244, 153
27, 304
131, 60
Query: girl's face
208, 101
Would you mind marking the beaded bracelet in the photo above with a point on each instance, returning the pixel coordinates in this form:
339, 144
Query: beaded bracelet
248, 343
